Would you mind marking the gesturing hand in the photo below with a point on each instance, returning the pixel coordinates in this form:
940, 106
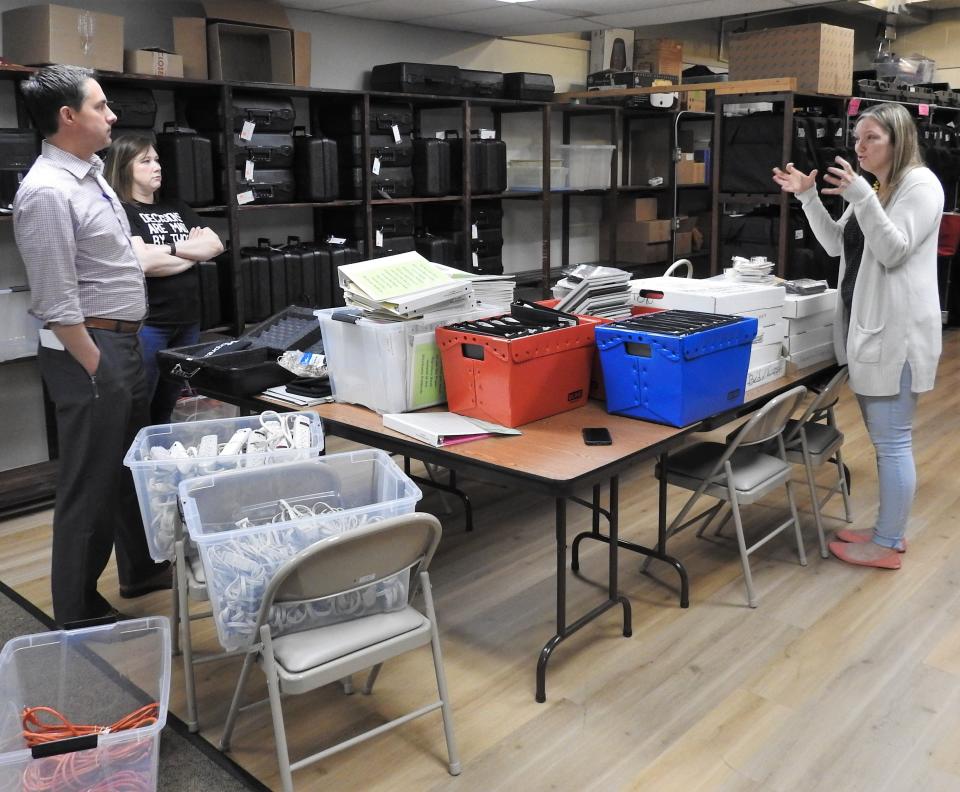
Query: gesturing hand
840, 178
792, 180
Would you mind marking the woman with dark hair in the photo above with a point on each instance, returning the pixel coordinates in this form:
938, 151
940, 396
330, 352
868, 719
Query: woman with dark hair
887, 326
168, 238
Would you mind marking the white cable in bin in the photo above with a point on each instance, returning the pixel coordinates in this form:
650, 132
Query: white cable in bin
162, 456
247, 523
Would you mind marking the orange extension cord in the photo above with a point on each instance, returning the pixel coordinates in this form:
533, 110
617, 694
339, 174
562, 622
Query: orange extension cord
83, 770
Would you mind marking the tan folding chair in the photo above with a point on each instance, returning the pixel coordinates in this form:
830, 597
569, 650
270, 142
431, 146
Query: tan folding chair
814, 439
739, 472
302, 661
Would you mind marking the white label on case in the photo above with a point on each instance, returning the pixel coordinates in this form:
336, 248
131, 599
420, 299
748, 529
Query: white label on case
396, 133
474, 234
248, 171
378, 238
376, 166
440, 135
476, 259
247, 132
245, 197
333, 240
798, 233
488, 134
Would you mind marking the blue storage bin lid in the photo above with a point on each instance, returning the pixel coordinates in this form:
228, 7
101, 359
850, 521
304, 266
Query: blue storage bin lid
680, 334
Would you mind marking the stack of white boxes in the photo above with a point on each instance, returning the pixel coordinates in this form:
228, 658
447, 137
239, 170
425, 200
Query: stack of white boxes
723, 296
809, 331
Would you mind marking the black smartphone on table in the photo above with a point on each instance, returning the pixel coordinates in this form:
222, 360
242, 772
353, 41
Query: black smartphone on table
597, 436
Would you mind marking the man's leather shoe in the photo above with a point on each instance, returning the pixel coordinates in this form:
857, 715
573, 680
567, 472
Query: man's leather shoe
159, 580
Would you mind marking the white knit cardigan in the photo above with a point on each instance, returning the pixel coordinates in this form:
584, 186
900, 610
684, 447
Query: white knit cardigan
895, 314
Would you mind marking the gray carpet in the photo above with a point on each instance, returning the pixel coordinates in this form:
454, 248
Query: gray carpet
187, 762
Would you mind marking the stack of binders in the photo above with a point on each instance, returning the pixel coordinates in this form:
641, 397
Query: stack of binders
594, 291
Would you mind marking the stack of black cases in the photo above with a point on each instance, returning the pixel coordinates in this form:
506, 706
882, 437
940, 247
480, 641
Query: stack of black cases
391, 150
442, 241
393, 229
18, 149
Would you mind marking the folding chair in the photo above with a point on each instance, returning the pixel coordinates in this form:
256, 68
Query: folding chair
739, 472
303, 661
811, 442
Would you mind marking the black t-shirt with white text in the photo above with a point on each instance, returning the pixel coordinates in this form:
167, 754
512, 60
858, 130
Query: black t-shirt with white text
173, 299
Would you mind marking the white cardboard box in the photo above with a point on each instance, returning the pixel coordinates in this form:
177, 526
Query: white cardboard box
799, 342
797, 306
810, 357
767, 372
771, 333
710, 296
764, 354
811, 322
766, 316
605, 53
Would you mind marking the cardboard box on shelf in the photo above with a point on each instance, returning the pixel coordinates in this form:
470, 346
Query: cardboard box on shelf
251, 41
611, 49
686, 223
41, 34
819, 56
694, 101
643, 231
682, 243
158, 62
660, 55
635, 252
637, 209
691, 172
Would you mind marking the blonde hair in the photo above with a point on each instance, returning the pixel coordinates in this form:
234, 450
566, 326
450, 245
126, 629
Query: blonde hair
898, 123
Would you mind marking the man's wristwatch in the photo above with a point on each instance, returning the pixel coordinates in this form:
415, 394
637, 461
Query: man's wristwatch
173, 249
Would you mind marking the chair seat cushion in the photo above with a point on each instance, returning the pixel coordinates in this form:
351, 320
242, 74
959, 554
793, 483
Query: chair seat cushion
301, 651
751, 467
819, 437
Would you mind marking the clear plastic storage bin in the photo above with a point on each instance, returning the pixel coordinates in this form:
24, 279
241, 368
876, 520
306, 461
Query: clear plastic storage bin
588, 166
526, 175
247, 523
156, 480
389, 367
95, 675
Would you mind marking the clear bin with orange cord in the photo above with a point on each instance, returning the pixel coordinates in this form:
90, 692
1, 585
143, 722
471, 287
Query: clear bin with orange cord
83, 709
519, 380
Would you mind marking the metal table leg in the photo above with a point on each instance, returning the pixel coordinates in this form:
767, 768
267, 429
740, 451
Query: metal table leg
451, 488
613, 597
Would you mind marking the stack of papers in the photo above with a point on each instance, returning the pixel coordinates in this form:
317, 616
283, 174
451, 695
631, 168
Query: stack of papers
405, 286
756, 270
594, 291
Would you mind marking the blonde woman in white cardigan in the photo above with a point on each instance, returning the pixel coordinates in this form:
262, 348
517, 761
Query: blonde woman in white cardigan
887, 327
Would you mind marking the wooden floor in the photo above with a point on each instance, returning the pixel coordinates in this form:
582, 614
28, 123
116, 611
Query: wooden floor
842, 679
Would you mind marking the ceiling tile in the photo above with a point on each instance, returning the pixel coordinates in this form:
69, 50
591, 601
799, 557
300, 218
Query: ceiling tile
587, 8
321, 5
405, 11
685, 12
508, 20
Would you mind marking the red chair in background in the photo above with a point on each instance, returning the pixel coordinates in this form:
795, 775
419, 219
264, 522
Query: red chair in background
947, 246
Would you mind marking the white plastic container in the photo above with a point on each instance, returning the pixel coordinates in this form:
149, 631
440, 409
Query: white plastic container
588, 165
156, 480
238, 523
94, 675
389, 367
526, 175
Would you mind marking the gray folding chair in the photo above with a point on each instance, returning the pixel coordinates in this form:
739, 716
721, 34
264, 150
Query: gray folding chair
739, 472
302, 661
814, 439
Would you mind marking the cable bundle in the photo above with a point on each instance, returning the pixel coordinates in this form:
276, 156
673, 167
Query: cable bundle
89, 770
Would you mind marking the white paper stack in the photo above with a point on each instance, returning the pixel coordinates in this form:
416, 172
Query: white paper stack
755, 270
594, 291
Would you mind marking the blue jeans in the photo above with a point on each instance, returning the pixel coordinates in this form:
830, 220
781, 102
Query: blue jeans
163, 393
889, 421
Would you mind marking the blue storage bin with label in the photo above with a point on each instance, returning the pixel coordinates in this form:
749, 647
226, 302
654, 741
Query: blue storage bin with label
675, 367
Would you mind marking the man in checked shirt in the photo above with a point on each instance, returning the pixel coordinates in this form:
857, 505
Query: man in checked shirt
88, 288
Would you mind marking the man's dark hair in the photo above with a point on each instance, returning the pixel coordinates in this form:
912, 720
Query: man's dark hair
50, 88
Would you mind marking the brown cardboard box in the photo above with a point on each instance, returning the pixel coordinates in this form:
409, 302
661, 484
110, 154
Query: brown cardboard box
249, 53
686, 223
664, 56
819, 56
190, 40
41, 34
694, 101
301, 57
637, 209
633, 253
644, 231
682, 243
691, 172
158, 62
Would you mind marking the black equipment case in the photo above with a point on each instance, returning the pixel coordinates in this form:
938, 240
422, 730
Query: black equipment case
208, 274
264, 149
134, 107
438, 249
269, 113
383, 117
18, 149
391, 153
268, 186
420, 78
247, 364
488, 164
431, 167
187, 165
530, 86
264, 280
488, 84
389, 220
390, 183
316, 165
393, 245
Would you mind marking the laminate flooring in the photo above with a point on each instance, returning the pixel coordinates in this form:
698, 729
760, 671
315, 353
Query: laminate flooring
842, 679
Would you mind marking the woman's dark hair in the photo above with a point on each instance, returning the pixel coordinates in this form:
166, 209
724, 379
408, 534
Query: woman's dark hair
50, 88
120, 156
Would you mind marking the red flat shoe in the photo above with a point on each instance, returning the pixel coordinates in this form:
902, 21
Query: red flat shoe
866, 554
862, 536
